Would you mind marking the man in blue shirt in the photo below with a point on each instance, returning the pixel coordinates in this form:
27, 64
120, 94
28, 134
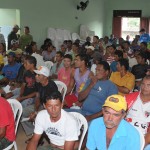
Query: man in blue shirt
10, 71
95, 92
144, 37
111, 132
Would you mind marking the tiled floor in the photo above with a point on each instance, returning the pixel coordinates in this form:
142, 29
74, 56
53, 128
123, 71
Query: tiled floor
21, 138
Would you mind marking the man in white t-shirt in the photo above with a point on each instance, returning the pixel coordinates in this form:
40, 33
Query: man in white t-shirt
139, 109
60, 126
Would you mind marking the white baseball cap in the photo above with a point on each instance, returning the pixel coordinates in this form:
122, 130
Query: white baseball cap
90, 47
43, 70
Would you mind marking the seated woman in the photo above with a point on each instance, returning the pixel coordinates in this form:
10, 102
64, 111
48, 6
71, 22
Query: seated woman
64, 73
49, 53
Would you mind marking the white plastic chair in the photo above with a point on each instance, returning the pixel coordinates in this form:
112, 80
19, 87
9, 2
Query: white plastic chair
62, 88
17, 110
75, 36
48, 64
82, 122
142, 139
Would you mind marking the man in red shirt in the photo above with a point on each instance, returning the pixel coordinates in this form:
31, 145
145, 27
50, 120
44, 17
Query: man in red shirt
7, 124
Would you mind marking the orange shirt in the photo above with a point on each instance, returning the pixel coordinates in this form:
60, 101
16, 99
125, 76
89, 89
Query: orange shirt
127, 81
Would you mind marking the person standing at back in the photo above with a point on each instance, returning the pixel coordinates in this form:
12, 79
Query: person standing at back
13, 35
26, 38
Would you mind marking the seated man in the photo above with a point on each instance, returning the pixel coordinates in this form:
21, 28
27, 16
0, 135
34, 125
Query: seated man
60, 127
58, 65
7, 124
14, 47
123, 79
44, 88
95, 92
117, 55
111, 131
78, 78
139, 70
28, 88
10, 70
139, 108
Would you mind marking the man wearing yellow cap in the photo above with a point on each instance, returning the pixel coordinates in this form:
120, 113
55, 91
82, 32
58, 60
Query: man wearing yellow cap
112, 132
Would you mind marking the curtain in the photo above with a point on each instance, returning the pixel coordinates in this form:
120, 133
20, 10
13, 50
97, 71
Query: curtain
145, 23
116, 27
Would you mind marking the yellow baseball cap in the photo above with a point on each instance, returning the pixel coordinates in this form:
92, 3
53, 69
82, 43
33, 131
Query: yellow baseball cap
116, 102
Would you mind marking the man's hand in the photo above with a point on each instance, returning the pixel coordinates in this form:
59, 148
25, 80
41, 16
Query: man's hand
33, 116
20, 98
88, 118
93, 81
78, 103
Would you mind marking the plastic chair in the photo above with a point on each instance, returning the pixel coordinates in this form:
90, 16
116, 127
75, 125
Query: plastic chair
142, 139
17, 110
82, 122
75, 36
62, 88
48, 64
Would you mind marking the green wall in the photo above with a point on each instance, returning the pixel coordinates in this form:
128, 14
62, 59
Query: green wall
111, 5
39, 15
9, 17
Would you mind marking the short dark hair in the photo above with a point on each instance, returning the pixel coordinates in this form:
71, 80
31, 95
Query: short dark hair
68, 56
54, 95
60, 53
113, 46
83, 57
127, 42
96, 37
119, 53
143, 55
76, 44
47, 41
32, 60
144, 43
26, 27
69, 41
142, 30
105, 65
124, 62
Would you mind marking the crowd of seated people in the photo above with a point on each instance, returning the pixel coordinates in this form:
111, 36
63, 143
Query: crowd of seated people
93, 71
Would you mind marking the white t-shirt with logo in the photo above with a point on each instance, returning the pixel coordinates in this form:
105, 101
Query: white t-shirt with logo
139, 115
65, 129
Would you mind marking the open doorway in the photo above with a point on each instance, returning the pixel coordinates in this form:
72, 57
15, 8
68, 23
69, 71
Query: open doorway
131, 27
8, 18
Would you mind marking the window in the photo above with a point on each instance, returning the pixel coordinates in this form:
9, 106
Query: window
130, 26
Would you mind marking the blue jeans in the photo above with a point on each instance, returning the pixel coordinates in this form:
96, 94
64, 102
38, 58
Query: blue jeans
27, 102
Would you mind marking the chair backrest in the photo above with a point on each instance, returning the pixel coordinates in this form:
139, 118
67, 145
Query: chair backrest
48, 64
62, 88
142, 139
17, 110
82, 122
